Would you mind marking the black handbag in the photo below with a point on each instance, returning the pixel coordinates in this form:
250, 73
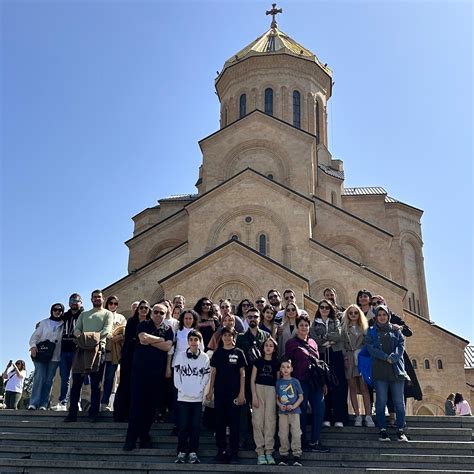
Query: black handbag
44, 351
319, 371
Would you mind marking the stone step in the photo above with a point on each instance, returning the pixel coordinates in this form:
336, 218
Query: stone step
150, 455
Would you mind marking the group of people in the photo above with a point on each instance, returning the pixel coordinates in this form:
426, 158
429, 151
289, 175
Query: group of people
456, 405
250, 372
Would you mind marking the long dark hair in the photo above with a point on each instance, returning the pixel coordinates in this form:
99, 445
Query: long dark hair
199, 305
275, 348
363, 292
238, 311
332, 311
148, 315
458, 398
194, 315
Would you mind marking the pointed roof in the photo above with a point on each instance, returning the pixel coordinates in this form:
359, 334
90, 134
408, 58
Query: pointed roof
274, 41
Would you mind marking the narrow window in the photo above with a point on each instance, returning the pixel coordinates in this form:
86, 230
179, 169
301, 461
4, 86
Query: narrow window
317, 122
262, 244
427, 364
269, 101
439, 364
333, 198
225, 116
296, 109
243, 106
414, 364
409, 303
418, 306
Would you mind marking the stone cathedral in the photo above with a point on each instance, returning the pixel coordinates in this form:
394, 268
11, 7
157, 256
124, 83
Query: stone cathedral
271, 211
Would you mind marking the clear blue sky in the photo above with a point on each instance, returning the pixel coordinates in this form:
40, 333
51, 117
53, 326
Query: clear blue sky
103, 104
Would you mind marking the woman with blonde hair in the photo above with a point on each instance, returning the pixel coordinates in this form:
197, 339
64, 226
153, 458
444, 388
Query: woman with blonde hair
354, 328
288, 329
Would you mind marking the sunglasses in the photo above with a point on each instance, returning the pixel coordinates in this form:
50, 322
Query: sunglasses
206, 304
114, 303
252, 316
291, 309
291, 297
376, 303
225, 307
57, 309
353, 313
324, 308
245, 304
74, 301
143, 307
273, 296
259, 301
158, 311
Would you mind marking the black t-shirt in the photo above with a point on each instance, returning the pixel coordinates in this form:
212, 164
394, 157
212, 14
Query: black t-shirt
227, 363
150, 358
266, 371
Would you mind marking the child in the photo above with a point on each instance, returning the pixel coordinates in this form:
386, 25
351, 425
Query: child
354, 328
191, 374
289, 396
228, 385
262, 382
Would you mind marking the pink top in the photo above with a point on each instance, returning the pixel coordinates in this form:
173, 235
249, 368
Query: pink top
463, 408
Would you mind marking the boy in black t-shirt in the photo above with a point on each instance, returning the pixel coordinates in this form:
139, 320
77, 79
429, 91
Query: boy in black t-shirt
228, 385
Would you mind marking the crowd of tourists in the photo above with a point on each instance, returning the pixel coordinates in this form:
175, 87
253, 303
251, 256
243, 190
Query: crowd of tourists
247, 373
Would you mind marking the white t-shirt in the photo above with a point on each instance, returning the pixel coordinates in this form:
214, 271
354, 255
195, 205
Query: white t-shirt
15, 382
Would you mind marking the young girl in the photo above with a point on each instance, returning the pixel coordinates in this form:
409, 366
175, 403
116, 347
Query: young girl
262, 382
354, 328
267, 320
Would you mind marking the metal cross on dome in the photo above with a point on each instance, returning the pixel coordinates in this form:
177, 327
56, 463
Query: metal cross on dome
273, 12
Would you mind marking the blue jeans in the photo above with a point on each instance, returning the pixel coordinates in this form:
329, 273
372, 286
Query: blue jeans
109, 375
397, 389
65, 365
42, 383
316, 400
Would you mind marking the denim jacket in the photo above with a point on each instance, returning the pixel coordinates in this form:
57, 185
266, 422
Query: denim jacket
397, 347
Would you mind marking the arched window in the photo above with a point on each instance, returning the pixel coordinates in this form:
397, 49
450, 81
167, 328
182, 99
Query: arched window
234, 237
427, 364
243, 106
439, 364
317, 122
270, 176
262, 244
269, 101
414, 364
296, 109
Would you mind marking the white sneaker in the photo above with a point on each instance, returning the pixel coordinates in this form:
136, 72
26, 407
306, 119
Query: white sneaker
338, 424
358, 421
327, 424
369, 422
79, 406
43, 408
59, 407
31, 407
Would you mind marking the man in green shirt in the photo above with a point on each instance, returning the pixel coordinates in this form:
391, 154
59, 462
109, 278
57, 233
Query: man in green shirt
99, 321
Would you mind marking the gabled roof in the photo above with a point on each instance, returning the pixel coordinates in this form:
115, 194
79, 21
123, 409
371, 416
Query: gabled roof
432, 323
358, 264
235, 243
180, 197
250, 114
375, 191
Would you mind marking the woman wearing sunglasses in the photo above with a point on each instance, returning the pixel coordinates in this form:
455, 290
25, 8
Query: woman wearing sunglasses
287, 330
122, 396
208, 321
49, 330
326, 331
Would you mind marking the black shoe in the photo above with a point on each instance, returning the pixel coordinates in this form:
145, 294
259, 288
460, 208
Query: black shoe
70, 419
318, 448
283, 461
383, 436
128, 446
221, 457
297, 461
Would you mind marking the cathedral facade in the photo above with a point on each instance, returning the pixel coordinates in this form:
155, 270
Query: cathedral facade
271, 211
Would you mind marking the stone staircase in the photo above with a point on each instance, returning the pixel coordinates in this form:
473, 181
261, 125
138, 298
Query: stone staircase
39, 441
